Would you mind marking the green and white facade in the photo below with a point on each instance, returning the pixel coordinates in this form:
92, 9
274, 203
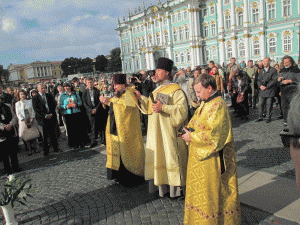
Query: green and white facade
192, 32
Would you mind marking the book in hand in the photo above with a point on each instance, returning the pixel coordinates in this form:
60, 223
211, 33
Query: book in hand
163, 98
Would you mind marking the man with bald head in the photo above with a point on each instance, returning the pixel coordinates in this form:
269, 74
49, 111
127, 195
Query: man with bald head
266, 83
44, 106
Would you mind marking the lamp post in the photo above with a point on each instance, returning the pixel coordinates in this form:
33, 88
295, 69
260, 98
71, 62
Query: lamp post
299, 42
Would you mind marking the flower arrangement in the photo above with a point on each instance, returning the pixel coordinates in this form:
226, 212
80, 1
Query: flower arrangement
16, 189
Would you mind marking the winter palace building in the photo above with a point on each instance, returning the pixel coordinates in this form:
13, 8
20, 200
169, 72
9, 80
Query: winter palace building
192, 32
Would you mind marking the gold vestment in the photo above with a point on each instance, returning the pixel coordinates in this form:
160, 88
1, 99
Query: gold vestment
212, 198
166, 154
128, 144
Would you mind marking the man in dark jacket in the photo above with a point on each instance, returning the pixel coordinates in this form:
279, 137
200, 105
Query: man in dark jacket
44, 107
95, 111
288, 78
4, 97
266, 83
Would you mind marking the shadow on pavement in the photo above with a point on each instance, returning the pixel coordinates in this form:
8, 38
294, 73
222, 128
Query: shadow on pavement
264, 158
94, 206
55, 159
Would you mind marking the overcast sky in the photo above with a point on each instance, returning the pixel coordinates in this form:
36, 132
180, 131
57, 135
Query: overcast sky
53, 30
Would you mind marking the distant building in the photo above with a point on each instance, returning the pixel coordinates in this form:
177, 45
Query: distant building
192, 32
35, 72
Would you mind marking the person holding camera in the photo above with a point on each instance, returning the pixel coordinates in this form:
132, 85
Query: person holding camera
26, 119
266, 82
211, 186
288, 80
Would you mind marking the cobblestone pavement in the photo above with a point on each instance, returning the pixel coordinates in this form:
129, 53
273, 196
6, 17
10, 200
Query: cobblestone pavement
71, 186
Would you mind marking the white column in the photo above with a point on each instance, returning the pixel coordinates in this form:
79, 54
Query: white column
262, 44
261, 11
201, 55
36, 71
43, 71
145, 36
161, 31
191, 22
130, 37
170, 53
141, 61
193, 64
220, 16
147, 61
123, 66
133, 64
222, 50
246, 13
152, 64
51, 71
247, 47
120, 39
196, 23
152, 30
169, 31
232, 14
234, 47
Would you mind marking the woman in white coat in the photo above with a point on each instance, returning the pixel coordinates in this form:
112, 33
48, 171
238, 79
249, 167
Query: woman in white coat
26, 118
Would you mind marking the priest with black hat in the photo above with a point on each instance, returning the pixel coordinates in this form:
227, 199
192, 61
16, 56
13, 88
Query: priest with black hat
166, 154
124, 141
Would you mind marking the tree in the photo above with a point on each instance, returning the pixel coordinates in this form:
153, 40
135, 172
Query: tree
101, 63
70, 66
4, 75
115, 60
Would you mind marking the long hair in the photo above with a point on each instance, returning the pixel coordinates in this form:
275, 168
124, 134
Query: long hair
21, 91
288, 57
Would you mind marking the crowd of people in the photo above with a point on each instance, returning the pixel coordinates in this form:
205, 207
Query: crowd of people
182, 112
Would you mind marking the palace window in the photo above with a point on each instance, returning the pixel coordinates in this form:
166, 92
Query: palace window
166, 37
286, 8
133, 30
214, 54
124, 49
205, 12
179, 17
206, 54
128, 47
174, 36
212, 10
126, 67
240, 19
165, 20
188, 56
138, 29
181, 58
271, 11
140, 43
241, 50
185, 15
255, 15
205, 31
157, 39
287, 43
256, 48
143, 39
156, 23
272, 45
226, 1
180, 34
227, 22
150, 39
137, 63
148, 26
229, 51
142, 28
187, 33
176, 58
135, 45
173, 19
129, 65
213, 29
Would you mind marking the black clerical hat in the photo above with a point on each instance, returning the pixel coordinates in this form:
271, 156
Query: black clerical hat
165, 64
119, 78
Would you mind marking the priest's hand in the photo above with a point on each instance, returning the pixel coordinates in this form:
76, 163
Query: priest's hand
157, 107
104, 100
8, 127
137, 95
187, 135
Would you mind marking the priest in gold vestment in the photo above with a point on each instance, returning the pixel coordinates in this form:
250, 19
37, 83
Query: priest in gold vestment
124, 142
166, 154
212, 190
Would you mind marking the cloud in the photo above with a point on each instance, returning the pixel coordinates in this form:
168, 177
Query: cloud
8, 25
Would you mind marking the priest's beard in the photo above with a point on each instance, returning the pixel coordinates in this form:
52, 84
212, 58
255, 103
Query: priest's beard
118, 94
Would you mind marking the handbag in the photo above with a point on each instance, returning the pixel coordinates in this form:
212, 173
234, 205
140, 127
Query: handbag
30, 134
240, 98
